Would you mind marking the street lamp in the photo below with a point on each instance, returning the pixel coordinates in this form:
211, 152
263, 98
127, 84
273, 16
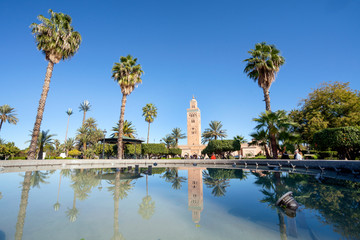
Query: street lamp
104, 131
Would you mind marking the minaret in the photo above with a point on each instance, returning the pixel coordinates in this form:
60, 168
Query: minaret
193, 124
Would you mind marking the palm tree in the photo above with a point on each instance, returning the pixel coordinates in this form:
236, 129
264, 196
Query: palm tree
168, 140
150, 113
85, 107
128, 130
214, 132
69, 112
57, 40
57, 204
218, 185
147, 206
241, 139
7, 115
273, 123
262, 66
176, 135
261, 138
128, 75
69, 145
89, 134
23, 205
44, 139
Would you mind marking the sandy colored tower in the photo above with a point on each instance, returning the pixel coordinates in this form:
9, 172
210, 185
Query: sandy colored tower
193, 147
195, 192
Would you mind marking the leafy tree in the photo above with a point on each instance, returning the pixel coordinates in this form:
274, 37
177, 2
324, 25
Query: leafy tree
154, 149
331, 105
150, 113
7, 114
74, 153
69, 112
344, 140
262, 67
214, 132
274, 124
128, 75
176, 135
69, 145
84, 107
8, 150
221, 147
56, 38
128, 130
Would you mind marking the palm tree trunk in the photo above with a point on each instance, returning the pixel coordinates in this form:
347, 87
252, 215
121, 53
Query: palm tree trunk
23, 205
267, 151
67, 128
267, 99
40, 111
148, 134
84, 118
57, 200
282, 226
40, 155
273, 146
116, 203
1, 123
147, 189
121, 128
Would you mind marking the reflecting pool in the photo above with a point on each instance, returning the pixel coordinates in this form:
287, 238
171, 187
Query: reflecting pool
175, 203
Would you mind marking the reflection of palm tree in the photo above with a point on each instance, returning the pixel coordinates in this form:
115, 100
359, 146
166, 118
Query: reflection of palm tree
116, 192
147, 207
171, 175
37, 178
57, 204
73, 212
23, 205
0, 195
218, 185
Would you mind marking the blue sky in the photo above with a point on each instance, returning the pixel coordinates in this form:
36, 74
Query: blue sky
185, 48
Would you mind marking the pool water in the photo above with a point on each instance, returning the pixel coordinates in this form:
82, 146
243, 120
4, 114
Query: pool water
183, 203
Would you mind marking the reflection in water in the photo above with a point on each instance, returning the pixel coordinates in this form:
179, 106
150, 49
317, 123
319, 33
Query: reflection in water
147, 206
336, 202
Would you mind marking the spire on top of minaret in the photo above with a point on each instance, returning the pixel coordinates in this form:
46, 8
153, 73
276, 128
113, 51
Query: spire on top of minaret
193, 96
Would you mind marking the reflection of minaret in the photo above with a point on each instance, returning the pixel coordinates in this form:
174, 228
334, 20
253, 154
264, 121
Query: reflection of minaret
195, 192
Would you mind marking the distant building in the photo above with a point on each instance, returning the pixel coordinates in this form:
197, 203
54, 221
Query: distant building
194, 146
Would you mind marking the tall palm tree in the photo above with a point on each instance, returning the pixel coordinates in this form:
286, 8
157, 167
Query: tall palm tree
218, 185
56, 38
69, 112
176, 135
273, 123
84, 107
168, 140
147, 206
214, 132
128, 75
57, 204
128, 130
150, 113
69, 145
7, 115
23, 205
262, 66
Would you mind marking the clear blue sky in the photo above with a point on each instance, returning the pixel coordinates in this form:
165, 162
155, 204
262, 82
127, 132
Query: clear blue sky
185, 48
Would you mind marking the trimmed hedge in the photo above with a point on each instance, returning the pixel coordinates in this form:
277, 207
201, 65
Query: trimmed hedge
344, 140
154, 149
221, 146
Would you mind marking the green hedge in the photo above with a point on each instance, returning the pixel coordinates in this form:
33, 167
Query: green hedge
154, 149
344, 140
221, 146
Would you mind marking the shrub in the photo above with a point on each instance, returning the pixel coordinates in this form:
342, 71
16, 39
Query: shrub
74, 153
221, 147
326, 154
344, 140
154, 149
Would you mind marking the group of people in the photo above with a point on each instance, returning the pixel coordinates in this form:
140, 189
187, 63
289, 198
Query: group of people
297, 155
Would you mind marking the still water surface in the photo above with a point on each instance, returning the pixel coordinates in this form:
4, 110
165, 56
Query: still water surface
184, 203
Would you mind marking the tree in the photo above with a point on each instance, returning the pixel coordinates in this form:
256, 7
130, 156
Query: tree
69, 112
8, 150
168, 140
241, 139
56, 38
89, 135
128, 130
176, 135
274, 123
331, 105
7, 114
128, 75
69, 145
150, 113
214, 132
261, 138
44, 139
221, 147
262, 67
84, 107
218, 185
